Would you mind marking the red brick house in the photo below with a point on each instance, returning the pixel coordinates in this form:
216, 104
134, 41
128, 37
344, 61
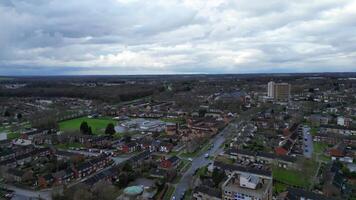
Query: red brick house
129, 147
170, 163
284, 148
339, 150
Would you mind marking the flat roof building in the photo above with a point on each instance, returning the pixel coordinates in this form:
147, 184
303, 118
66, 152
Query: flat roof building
247, 186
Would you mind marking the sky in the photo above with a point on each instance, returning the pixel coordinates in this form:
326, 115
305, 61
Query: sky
88, 37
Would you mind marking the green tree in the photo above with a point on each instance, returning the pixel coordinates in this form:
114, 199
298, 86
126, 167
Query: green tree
127, 167
19, 116
202, 112
124, 180
110, 129
84, 127
218, 176
7, 113
90, 132
127, 138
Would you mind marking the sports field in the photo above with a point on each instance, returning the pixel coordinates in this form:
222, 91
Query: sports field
97, 125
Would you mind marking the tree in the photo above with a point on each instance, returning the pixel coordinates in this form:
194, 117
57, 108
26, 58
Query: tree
127, 138
127, 167
218, 176
85, 128
104, 190
90, 132
7, 113
19, 116
124, 180
202, 112
110, 129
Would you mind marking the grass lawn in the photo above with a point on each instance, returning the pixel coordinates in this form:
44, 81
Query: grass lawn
186, 167
319, 147
224, 159
169, 193
279, 187
178, 120
182, 164
202, 171
314, 131
188, 195
69, 145
13, 135
290, 177
98, 125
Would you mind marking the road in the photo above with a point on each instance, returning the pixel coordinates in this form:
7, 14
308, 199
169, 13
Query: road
24, 194
200, 161
218, 140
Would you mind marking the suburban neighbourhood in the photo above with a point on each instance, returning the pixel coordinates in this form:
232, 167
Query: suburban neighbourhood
213, 137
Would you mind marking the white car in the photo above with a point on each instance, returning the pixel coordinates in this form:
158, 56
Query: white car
206, 155
190, 159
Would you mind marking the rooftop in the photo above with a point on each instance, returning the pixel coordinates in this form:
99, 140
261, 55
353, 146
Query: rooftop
240, 182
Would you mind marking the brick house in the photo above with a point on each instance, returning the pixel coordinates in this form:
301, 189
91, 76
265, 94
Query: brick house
170, 163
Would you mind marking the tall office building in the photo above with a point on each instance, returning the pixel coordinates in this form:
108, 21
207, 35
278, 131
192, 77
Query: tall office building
279, 91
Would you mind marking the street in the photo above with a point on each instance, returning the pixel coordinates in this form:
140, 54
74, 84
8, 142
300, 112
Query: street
199, 162
218, 140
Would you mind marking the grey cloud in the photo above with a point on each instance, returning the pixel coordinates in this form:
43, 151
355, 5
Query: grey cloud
178, 36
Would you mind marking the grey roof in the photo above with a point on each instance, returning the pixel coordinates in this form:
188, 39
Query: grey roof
232, 167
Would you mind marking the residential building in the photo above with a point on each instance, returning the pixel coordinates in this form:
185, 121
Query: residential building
300, 194
170, 163
279, 91
270, 91
206, 193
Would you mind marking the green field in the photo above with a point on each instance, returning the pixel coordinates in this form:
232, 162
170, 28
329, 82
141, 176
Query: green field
319, 150
97, 125
178, 120
279, 187
169, 193
290, 177
319, 147
13, 135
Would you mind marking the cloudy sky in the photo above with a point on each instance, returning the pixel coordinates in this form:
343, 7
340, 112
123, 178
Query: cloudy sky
176, 36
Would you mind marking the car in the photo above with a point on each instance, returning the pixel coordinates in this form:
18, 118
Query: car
206, 155
190, 159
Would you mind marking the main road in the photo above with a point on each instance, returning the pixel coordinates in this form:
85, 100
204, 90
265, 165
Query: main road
185, 183
200, 161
